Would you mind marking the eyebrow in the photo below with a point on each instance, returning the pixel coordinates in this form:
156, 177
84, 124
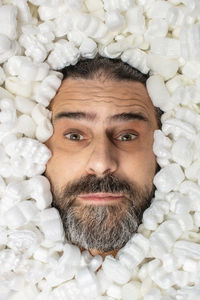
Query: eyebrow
76, 116
91, 116
128, 117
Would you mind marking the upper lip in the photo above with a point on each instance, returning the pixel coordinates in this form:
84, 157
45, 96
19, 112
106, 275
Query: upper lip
101, 195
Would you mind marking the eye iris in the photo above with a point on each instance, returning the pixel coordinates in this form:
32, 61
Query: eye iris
74, 137
126, 137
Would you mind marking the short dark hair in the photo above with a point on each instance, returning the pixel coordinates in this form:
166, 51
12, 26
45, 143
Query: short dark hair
104, 68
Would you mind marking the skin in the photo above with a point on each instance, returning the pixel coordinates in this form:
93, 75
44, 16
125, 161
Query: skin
98, 143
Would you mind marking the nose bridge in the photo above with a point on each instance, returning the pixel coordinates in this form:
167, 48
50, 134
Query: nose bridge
103, 158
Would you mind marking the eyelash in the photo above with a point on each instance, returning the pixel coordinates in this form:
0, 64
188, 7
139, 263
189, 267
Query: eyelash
73, 133
117, 138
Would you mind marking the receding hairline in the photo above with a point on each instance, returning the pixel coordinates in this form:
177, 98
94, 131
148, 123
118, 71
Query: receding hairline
104, 68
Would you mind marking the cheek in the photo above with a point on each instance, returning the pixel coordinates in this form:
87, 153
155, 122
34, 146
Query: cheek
140, 165
63, 168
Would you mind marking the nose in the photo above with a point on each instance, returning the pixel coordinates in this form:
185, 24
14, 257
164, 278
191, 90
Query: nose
103, 159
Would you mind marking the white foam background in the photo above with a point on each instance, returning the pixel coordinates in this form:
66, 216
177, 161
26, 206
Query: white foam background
38, 37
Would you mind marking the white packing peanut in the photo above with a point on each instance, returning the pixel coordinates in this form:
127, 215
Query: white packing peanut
190, 44
164, 66
2, 76
154, 294
45, 34
159, 10
114, 20
8, 111
158, 92
164, 237
95, 263
135, 21
26, 126
87, 283
24, 105
47, 89
130, 289
8, 15
190, 265
136, 58
68, 290
170, 262
176, 16
64, 54
94, 5
189, 116
177, 128
179, 203
191, 69
163, 279
197, 219
42, 195
182, 152
24, 240
26, 69
67, 25
103, 281
155, 214
169, 178
134, 251
187, 249
91, 26
115, 271
173, 84
23, 11
49, 12
34, 48
30, 149
8, 48
162, 145
117, 4
156, 28
40, 113
15, 218
19, 87
88, 48
146, 285
114, 291
152, 35
192, 190
181, 278
9, 260
165, 46
51, 225
5, 94
44, 131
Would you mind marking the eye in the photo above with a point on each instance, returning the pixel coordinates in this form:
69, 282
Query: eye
74, 136
126, 137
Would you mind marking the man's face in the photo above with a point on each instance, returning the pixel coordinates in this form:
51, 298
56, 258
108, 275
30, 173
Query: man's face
102, 164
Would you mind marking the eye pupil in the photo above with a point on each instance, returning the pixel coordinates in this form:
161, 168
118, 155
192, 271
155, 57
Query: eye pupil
126, 137
75, 137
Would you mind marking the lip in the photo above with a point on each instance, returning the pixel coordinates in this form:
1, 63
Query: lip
100, 198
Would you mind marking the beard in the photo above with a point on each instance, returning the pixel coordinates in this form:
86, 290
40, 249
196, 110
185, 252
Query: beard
101, 227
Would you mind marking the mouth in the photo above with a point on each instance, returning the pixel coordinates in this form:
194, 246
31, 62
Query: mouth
100, 198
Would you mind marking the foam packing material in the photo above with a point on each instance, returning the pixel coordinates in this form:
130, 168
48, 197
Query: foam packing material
162, 260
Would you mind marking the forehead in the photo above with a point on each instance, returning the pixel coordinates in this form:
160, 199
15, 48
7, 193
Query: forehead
101, 96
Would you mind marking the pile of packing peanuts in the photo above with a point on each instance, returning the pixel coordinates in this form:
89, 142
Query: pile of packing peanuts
37, 37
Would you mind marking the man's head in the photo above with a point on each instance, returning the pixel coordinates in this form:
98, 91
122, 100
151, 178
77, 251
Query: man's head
102, 164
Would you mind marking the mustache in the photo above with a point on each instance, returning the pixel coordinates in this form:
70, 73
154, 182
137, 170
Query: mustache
93, 184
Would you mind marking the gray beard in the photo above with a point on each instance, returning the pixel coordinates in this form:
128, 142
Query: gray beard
106, 227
